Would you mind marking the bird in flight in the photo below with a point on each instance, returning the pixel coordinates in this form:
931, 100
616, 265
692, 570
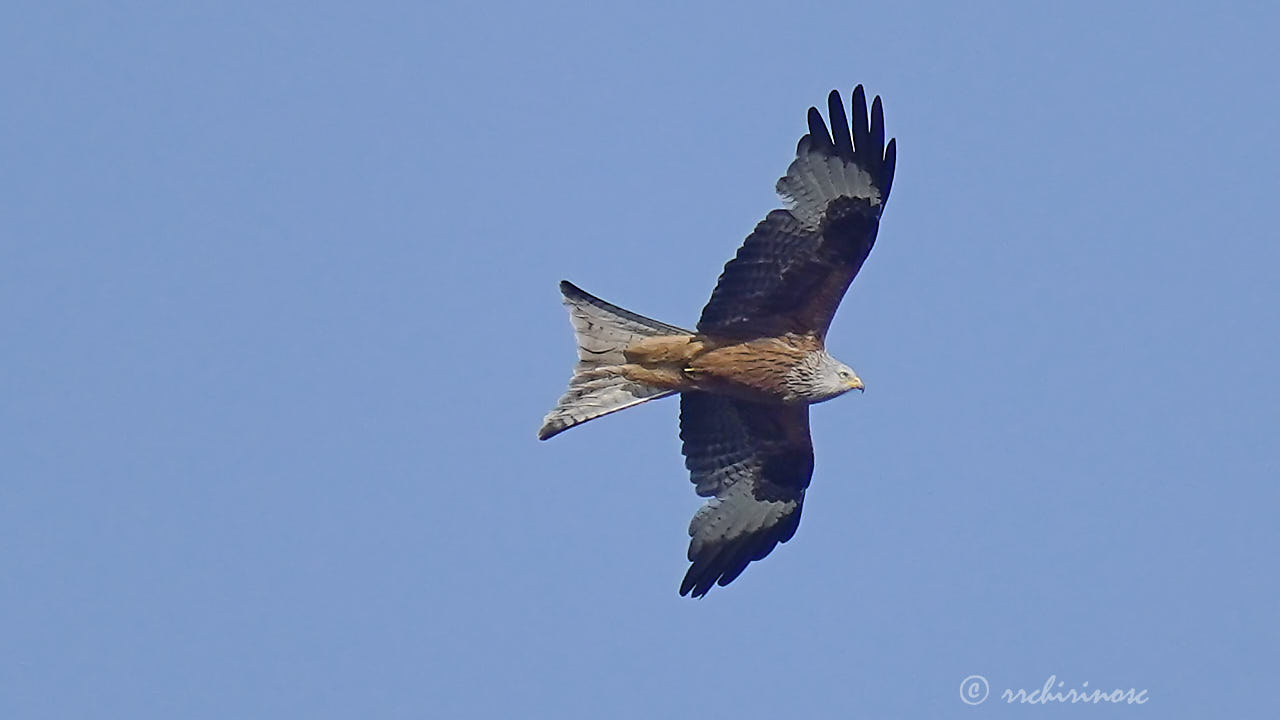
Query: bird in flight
757, 361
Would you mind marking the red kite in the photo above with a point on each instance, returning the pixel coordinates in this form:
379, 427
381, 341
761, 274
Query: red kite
747, 376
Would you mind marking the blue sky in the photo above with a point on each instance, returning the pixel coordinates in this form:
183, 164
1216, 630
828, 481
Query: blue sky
278, 286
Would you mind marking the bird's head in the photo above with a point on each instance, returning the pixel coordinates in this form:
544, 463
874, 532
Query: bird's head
848, 378
822, 377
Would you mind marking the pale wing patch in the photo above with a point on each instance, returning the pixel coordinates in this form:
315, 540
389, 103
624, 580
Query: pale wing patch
814, 180
736, 515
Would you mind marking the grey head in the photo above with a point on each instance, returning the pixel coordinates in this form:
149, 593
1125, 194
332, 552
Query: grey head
820, 377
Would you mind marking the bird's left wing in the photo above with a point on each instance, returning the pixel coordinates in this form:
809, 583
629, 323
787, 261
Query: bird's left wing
792, 271
755, 462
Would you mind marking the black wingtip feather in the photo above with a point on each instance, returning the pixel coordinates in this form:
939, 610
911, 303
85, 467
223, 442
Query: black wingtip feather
890, 162
840, 125
861, 140
819, 138
877, 133
700, 578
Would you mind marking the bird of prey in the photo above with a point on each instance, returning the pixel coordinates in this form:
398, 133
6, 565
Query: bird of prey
747, 375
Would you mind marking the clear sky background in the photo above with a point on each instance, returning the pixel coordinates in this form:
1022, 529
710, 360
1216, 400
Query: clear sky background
279, 316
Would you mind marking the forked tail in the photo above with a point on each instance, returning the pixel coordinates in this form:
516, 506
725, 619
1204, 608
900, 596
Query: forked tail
603, 333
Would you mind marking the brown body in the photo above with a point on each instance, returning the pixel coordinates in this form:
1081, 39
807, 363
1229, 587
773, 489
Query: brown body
746, 369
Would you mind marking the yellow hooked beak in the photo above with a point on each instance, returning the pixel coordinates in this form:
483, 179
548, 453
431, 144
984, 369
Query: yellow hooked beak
855, 383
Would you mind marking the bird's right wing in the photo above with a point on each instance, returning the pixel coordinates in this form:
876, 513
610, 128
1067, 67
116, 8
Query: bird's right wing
755, 462
793, 270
